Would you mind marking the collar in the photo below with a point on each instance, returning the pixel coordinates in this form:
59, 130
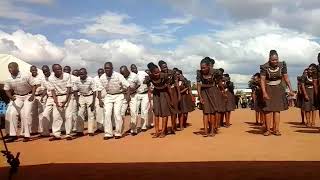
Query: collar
18, 75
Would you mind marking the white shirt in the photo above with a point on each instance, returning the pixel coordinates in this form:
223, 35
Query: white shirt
114, 84
143, 87
97, 84
133, 80
60, 85
73, 80
85, 87
39, 78
45, 84
20, 84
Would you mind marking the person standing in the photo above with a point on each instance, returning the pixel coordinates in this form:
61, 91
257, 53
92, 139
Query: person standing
162, 98
21, 90
230, 103
143, 100
173, 82
114, 84
186, 104
47, 99
39, 105
208, 95
60, 86
273, 92
99, 110
134, 82
308, 87
86, 101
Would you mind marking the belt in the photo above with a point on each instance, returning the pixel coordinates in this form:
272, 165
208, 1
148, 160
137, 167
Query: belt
24, 94
145, 92
274, 83
61, 94
115, 93
37, 95
86, 95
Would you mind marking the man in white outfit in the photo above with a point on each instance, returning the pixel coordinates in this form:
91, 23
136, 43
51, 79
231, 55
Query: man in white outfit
142, 99
21, 90
86, 101
38, 106
48, 100
115, 84
99, 110
134, 82
60, 86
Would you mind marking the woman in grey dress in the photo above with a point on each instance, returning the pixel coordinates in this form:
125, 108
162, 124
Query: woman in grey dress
274, 95
208, 95
308, 87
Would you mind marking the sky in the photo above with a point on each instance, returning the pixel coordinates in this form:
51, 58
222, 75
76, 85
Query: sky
237, 34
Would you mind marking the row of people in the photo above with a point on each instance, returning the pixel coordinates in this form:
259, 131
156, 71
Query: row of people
60, 101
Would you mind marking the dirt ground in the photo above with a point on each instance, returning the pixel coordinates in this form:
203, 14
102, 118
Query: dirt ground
239, 152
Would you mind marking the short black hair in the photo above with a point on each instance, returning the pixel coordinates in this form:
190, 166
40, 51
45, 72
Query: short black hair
161, 62
110, 63
273, 52
152, 66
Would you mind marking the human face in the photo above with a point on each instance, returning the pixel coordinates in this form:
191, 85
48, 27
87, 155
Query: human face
100, 72
46, 71
205, 68
75, 73
134, 68
34, 71
155, 73
13, 69
57, 70
274, 60
67, 69
108, 69
164, 68
83, 74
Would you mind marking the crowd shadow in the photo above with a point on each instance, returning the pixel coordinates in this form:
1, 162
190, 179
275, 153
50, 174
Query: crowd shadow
255, 128
302, 128
264, 170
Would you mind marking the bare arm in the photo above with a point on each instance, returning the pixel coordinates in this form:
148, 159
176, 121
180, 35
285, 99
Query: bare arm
263, 87
286, 79
10, 96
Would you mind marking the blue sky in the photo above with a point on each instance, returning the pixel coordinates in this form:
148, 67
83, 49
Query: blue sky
238, 34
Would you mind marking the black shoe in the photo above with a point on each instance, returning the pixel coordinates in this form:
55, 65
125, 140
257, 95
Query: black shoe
107, 138
144, 130
26, 139
44, 136
55, 138
132, 134
79, 134
117, 137
11, 139
91, 134
6, 136
69, 138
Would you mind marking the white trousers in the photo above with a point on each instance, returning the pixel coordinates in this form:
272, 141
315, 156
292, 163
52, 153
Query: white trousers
99, 115
142, 101
47, 117
85, 102
75, 116
20, 107
37, 115
133, 112
61, 115
113, 102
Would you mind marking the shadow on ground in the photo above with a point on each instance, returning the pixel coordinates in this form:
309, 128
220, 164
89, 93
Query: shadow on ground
154, 171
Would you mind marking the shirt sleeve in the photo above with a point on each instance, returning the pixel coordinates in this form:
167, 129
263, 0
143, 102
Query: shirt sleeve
263, 71
123, 81
284, 68
69, 82
6, 86
75, 86
32, 81
198, 76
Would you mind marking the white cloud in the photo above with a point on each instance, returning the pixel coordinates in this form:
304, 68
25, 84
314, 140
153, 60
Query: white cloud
29, 47
112, 24
178, 20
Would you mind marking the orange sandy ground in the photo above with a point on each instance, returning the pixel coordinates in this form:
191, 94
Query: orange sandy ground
187, 153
